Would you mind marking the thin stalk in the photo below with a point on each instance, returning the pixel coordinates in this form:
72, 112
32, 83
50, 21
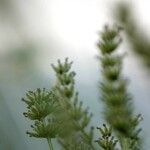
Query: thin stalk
124, 144
50, 144
86, 137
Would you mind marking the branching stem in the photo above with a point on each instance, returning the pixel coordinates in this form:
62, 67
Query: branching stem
50, 144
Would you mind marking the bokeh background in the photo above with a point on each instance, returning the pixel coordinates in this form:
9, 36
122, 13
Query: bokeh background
35, 33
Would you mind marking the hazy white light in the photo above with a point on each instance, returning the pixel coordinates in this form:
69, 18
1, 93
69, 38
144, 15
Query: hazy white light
76, 22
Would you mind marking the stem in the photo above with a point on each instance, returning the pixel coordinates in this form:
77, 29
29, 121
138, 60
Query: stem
124, 144
50, 144
87, 137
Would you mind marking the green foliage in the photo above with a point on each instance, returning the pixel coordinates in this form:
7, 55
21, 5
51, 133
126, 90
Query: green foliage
75, 119
107, 141
41, 107
135, 35
118, 102
59, 114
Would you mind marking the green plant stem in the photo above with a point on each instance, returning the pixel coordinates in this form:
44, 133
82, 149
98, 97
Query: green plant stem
50, 144
86, 136
124, 144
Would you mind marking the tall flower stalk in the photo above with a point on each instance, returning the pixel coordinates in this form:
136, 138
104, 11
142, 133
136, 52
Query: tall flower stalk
118, 109
58, 114
74, 119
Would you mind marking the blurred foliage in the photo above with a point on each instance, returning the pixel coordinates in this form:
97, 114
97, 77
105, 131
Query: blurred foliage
136, 37
74, 119
7, 7
20, 62
59, 114
17, 62
107, 141
15, 66
118, 110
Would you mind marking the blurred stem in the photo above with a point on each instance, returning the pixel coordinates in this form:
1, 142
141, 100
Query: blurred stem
87, 137
124, 144
50, 144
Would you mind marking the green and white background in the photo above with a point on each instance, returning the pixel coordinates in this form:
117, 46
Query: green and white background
35, 33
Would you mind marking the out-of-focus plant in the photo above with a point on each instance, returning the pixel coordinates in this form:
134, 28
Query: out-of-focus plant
58, 113
107, 141
118, 110
74, 119
137, 38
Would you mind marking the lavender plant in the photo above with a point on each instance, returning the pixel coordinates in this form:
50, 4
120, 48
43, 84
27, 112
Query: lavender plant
59, 114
